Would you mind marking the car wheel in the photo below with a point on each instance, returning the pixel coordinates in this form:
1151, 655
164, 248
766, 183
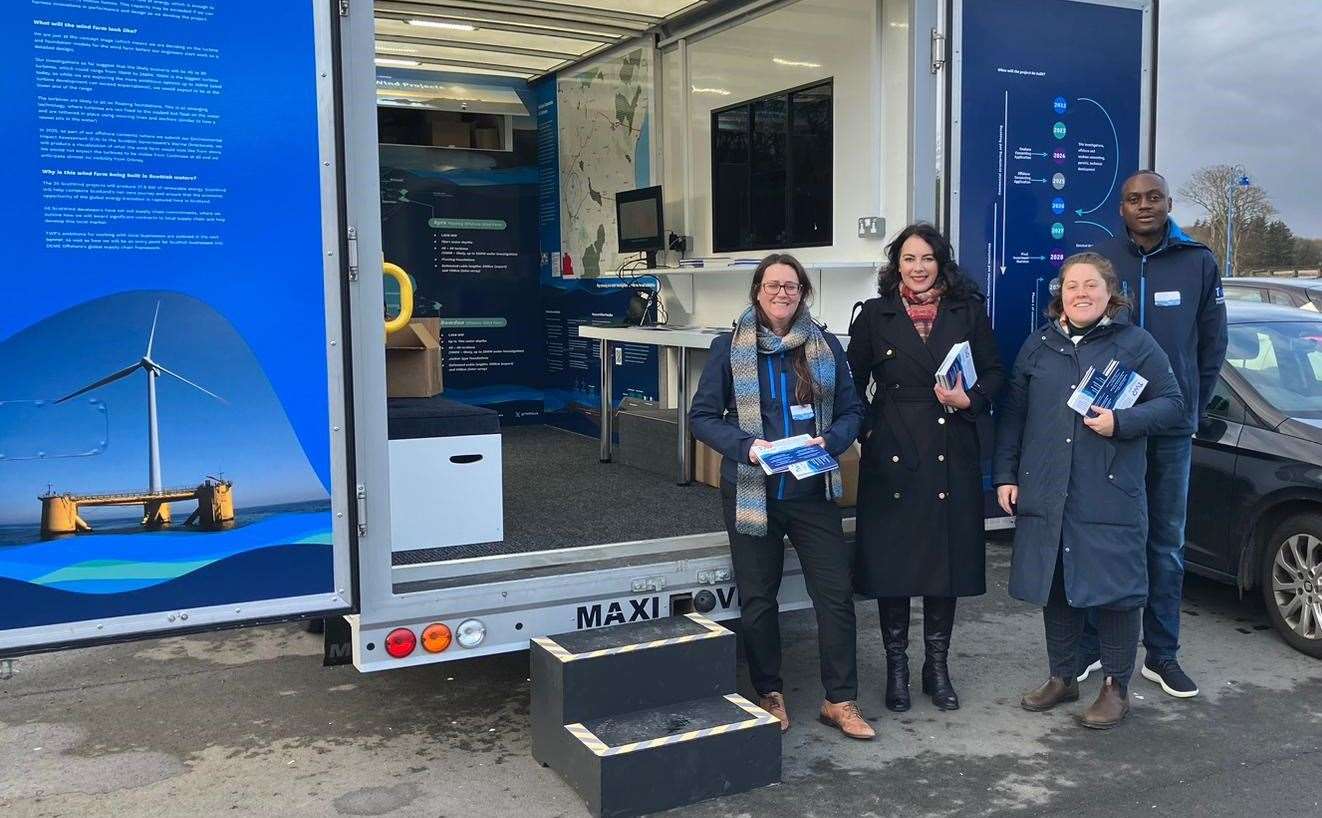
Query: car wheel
1291, 582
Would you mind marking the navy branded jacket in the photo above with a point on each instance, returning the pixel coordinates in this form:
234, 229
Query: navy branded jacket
715, 421
1177, 297
1082, 497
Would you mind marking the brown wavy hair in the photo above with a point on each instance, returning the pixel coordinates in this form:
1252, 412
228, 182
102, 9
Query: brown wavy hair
1117, 300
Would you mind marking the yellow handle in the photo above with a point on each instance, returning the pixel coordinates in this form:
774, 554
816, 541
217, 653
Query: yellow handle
405, 298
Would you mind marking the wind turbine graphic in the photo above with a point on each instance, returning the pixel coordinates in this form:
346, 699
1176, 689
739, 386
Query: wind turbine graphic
154, 370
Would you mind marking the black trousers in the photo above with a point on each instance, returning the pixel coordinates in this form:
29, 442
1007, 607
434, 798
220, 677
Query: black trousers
813, 526
1117, 629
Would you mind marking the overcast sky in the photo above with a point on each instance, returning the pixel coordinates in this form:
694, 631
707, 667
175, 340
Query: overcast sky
1240, 82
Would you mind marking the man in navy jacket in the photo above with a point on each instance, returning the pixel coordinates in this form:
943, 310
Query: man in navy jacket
1176, 290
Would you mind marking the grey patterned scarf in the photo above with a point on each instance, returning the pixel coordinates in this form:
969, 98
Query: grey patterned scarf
751, 338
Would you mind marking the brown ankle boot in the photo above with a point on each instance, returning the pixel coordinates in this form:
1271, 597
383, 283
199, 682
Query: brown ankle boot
846, 716
1110, 709
774, 703
1055, 691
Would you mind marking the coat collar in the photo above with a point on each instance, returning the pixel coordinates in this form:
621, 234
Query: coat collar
899, 331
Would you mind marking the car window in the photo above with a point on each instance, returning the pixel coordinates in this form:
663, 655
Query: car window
1243, 294
1280, 297
1282, 362
1225, 404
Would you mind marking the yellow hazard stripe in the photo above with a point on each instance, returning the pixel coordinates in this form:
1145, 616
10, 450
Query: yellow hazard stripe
599, 748
588, 738
713, 630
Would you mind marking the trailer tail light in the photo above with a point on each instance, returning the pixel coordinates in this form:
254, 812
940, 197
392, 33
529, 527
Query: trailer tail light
400, 642
470, 633
436, 638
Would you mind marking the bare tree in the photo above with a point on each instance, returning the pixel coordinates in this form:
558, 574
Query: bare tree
1213, 188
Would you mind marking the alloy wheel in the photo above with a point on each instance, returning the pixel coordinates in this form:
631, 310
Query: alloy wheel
1296, 581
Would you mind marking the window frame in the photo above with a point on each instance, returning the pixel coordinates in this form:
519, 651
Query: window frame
747, 106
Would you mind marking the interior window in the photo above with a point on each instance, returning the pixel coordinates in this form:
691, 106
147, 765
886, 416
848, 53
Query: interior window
1280, 297
1224, 404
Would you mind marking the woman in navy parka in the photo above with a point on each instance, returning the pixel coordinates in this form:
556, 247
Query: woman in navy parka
1077, 484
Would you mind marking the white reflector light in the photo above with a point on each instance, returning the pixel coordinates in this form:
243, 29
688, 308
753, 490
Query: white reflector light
470, 633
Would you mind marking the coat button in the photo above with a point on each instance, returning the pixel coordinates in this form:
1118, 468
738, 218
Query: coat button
890, 352
941, 495
1067, 440
895, 458
1067, 549
897, 495
1071, 386
941, 421
1110, 477
941, 458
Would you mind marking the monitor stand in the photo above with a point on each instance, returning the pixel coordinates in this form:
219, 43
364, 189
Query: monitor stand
651, 259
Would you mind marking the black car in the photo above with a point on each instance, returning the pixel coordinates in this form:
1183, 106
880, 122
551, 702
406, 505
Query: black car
1255, 495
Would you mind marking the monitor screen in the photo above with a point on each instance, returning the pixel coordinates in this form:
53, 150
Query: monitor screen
638, 219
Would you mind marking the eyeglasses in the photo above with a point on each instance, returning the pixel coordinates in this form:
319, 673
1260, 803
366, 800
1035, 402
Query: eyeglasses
773, 287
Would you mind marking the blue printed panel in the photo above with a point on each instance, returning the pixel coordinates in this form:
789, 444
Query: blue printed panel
164, 287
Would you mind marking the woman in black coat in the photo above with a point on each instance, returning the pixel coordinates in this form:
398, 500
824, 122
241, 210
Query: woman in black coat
1077, 484
920, 496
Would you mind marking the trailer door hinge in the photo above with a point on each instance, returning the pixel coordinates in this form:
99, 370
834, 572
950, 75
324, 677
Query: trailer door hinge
353, 254
362, 510
938, 51
344, 8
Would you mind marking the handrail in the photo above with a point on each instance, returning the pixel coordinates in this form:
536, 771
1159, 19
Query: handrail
405, 298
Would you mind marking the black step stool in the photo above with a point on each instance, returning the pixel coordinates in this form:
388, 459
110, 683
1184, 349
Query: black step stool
643, 717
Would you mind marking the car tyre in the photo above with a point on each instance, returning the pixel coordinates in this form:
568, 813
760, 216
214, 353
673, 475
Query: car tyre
1290, 578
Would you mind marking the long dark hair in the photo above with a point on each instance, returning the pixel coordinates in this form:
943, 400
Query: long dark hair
957, 286
806, 387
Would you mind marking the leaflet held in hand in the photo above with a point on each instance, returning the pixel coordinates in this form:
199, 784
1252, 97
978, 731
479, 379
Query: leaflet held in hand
794, 455
1114, 387
959, 361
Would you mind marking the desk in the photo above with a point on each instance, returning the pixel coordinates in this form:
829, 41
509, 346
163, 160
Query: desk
682, 339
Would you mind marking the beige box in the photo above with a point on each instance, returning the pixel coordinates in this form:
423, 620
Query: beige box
413, 361
706, 465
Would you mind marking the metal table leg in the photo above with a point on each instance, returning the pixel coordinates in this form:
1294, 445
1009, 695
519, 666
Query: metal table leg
682, 404
607, 387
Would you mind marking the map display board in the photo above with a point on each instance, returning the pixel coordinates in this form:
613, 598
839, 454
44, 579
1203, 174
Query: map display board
166, 416
1048, 123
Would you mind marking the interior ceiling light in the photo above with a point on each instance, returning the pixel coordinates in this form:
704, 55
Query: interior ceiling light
718, 91
795, 63
401, 63
439, 24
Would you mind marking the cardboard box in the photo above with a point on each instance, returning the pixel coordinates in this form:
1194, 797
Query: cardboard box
413, 361
706, 465
849, 474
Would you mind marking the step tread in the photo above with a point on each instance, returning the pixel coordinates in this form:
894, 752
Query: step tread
632, 636
681, 721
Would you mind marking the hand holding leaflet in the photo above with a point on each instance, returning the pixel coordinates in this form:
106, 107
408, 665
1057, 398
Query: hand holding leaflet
800, 455
955, 374
1114, 387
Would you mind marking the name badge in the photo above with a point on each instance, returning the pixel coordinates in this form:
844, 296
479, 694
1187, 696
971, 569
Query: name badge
1170, 298
801, 412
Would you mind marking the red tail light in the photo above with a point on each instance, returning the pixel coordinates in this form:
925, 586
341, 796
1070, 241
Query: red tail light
400, 642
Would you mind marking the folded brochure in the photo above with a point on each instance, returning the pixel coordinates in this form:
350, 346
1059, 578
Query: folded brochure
1114, 387
959, 361
794, 455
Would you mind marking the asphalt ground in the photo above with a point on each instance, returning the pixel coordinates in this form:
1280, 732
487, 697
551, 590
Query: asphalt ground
249, 723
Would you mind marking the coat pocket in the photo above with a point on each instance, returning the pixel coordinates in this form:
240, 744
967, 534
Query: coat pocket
1126, 469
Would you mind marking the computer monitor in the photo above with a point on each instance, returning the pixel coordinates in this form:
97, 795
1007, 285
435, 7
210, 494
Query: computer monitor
638, 222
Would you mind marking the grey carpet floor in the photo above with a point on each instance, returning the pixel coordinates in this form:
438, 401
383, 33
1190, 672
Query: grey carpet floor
559, 495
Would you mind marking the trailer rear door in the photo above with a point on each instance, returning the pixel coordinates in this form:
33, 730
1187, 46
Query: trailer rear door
172, 406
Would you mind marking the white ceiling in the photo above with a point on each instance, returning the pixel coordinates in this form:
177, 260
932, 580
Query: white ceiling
511, 38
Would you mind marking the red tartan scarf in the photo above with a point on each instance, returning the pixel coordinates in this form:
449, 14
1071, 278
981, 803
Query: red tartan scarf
922, 308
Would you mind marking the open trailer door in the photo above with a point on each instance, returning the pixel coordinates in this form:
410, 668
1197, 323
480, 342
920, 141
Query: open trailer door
1050, 107
172, 406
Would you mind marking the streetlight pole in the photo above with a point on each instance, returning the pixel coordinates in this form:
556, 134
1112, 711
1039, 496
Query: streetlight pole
1242, 180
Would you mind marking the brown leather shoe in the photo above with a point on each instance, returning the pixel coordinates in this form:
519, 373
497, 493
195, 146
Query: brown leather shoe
1055, 691
847, 717
1110, 709
774, 703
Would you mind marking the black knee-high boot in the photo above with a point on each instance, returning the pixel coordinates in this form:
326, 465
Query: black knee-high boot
895, 636
938, 622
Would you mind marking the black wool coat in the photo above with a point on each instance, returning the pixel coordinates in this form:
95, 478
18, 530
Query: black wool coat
920, 496
1082, 497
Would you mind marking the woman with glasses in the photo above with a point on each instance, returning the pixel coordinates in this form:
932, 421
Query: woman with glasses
779, 375
920, 499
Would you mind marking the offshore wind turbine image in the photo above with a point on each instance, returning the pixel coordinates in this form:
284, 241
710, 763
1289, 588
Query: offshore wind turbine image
215, 504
